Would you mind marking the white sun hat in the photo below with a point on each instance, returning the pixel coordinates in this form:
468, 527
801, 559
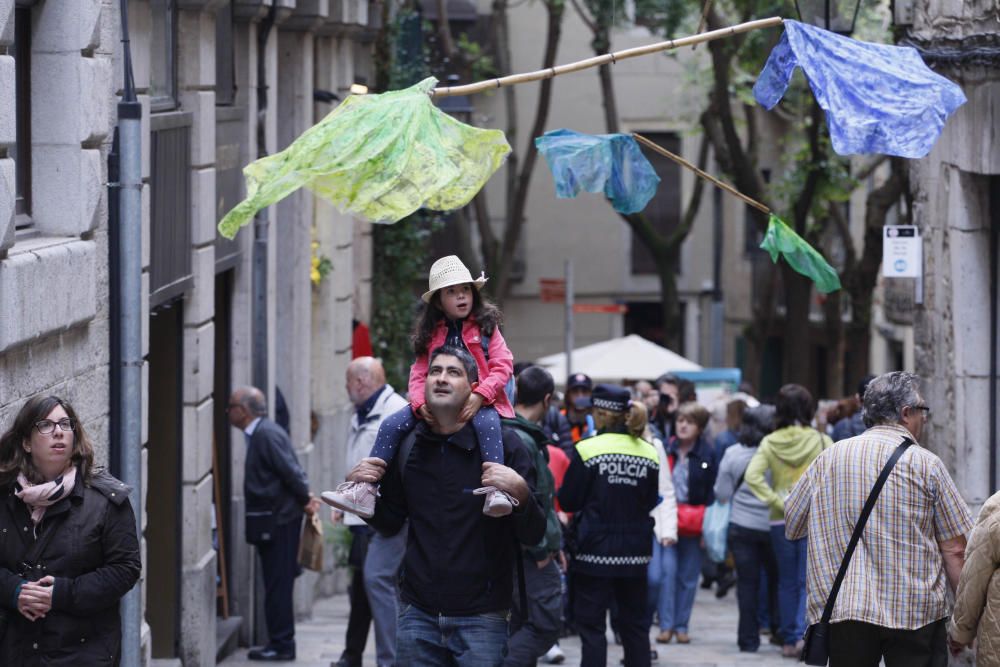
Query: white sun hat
449, 271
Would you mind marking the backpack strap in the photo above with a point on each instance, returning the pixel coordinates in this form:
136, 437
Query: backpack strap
403, 454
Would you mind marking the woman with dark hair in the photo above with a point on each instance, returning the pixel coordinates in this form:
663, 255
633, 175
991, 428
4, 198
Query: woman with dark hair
786, 454
68, 545
749, 536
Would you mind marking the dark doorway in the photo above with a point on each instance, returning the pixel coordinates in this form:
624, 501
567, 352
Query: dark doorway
222, 460
645, 318
163, 507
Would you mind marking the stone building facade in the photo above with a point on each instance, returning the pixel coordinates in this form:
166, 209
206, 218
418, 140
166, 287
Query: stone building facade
956, 204
196, 65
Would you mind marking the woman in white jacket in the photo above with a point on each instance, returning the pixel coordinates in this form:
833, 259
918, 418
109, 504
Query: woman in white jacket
663, 566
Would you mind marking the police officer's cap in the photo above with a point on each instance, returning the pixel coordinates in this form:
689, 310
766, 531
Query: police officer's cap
611, 397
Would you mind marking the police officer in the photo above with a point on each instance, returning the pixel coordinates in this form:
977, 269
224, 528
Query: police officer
611, 486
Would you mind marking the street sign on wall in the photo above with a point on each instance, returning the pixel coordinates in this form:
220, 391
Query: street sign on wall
552, 290
610, 308
902, 256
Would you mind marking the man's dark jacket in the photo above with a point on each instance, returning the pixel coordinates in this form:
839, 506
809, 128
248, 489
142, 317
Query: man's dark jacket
93, 554
611, 486
458, 561
274, 480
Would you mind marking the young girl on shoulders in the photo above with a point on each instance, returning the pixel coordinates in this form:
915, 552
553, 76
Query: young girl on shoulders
456, 314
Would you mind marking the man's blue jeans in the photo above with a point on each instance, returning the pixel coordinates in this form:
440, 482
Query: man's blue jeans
791, 556
425, 640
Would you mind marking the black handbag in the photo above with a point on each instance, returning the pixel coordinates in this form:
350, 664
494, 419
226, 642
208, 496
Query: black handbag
816, 650
260, 526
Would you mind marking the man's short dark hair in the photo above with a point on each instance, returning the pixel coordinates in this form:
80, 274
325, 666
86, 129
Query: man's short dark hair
519, 366
685, 388
460, 353
533, 385
794, 406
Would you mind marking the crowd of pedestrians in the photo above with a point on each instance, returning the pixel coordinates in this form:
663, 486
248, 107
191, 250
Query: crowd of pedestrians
489, 521
595, 511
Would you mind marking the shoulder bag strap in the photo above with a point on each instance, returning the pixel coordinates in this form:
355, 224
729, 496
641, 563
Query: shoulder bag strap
859, 528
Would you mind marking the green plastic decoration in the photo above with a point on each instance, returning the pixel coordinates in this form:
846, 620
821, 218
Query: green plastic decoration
378, 157
781, 239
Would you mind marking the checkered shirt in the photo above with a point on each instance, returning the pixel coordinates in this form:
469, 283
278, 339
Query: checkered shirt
896, 577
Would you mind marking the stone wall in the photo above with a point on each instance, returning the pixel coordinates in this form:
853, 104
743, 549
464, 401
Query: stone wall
54, 271
950, 190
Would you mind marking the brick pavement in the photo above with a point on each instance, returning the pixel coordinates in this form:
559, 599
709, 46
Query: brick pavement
713, 639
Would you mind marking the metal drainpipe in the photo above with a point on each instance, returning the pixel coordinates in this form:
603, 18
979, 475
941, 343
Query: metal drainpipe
129, 368
260, 224
994, 314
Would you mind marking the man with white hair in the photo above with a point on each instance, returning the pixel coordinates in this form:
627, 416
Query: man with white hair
375, 558
893, 601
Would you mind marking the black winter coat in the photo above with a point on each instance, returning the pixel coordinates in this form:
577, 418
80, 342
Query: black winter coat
94, 557
458, 562
611, 486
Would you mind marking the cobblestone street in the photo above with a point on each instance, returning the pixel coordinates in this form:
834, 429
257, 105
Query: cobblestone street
713, 639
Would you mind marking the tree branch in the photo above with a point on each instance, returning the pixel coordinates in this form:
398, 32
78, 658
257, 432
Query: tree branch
694, 203
843, 230
519, 200
587, 20
444, 30
868, 169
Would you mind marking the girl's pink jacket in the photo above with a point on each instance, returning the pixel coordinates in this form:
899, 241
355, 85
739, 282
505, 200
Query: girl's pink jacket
493, 376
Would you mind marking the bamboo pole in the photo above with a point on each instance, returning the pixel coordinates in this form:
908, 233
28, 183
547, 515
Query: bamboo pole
708, 177
538, 75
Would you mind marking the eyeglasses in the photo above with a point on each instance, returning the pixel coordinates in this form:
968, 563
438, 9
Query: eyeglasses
47, 426
233, 406
923, 408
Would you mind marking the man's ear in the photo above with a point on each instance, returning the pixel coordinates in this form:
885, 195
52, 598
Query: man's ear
547, 401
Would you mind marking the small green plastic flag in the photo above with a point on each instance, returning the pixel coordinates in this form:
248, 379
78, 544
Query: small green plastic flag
378, 157
781, 239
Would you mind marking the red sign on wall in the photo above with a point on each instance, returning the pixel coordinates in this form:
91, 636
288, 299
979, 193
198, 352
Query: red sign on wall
552, 290
612, 308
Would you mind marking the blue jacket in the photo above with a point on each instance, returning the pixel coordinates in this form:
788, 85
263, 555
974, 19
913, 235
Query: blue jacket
703, 468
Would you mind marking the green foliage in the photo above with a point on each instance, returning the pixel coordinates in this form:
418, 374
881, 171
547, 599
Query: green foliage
663, 17
481, 64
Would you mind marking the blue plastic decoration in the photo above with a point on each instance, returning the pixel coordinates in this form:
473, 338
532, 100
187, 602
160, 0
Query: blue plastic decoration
609, 163
878, 98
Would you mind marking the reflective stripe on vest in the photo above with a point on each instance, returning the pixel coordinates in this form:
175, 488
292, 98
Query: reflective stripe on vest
616, 443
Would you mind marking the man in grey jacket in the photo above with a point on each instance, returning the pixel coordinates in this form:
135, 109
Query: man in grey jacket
375, 558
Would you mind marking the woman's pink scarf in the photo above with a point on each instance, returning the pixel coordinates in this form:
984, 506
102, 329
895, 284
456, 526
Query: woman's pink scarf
38, 497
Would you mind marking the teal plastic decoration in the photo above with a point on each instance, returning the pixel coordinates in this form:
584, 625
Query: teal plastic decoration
608, 163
